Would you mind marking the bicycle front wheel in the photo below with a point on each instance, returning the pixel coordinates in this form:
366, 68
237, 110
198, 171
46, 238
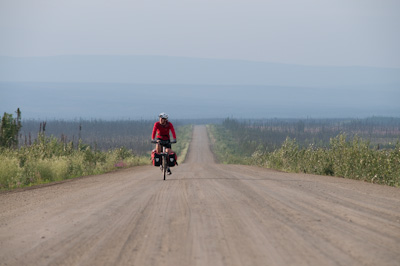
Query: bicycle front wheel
165, 166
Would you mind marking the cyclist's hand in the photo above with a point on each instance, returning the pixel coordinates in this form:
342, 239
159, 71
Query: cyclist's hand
173, 141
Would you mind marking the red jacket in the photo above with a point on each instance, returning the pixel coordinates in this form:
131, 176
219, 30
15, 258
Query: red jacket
163, 131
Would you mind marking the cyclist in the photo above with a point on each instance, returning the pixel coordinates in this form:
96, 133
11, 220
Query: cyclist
162, 129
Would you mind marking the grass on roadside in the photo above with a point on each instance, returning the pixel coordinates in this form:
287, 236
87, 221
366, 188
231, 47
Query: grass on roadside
225, 148
349, 159
184, 134
38, 164
48, 159
354, 159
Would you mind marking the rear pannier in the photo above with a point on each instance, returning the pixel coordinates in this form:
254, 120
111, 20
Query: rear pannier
172, 159
156, 158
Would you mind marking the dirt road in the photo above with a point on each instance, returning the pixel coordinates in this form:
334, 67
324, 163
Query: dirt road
204, 214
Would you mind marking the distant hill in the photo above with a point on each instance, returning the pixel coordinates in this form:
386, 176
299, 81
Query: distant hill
180, 70
113, 87
136, 101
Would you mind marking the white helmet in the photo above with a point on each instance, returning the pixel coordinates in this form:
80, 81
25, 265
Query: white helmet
163, 115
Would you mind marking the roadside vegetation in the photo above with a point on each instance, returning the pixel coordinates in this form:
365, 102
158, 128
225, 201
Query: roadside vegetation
184, 134
98, 147
323, 147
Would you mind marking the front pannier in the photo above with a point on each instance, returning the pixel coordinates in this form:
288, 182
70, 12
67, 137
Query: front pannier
156, 158
172, 159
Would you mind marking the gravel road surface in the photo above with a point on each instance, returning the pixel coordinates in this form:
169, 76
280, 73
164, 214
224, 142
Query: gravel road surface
203, 214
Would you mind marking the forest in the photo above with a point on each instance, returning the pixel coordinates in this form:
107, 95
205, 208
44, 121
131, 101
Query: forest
381, 132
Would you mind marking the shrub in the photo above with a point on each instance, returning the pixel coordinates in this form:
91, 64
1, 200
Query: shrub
49, 159
349, 159
10, 172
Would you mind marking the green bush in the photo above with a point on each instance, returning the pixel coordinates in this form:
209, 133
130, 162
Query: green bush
10, 172
49, 159
355, 158
349, 159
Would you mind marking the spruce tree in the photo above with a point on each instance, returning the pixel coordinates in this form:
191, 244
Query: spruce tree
9, 130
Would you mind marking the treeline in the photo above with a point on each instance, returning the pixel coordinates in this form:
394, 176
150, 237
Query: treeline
380, 132
100, 134
295, 146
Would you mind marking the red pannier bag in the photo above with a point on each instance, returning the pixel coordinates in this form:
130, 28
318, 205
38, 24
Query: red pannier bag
156, 158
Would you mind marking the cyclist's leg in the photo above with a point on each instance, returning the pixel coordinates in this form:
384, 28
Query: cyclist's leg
158, 148
168, 148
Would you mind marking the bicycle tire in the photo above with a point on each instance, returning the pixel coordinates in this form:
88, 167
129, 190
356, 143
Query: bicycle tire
164, 162
165, 166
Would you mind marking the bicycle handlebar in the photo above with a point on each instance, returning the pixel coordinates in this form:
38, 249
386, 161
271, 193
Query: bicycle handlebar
163, 141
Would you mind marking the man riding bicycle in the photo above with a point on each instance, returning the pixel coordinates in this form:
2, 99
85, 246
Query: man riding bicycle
162, 129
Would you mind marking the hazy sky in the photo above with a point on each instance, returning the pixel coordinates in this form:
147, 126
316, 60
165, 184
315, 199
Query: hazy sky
311, 32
